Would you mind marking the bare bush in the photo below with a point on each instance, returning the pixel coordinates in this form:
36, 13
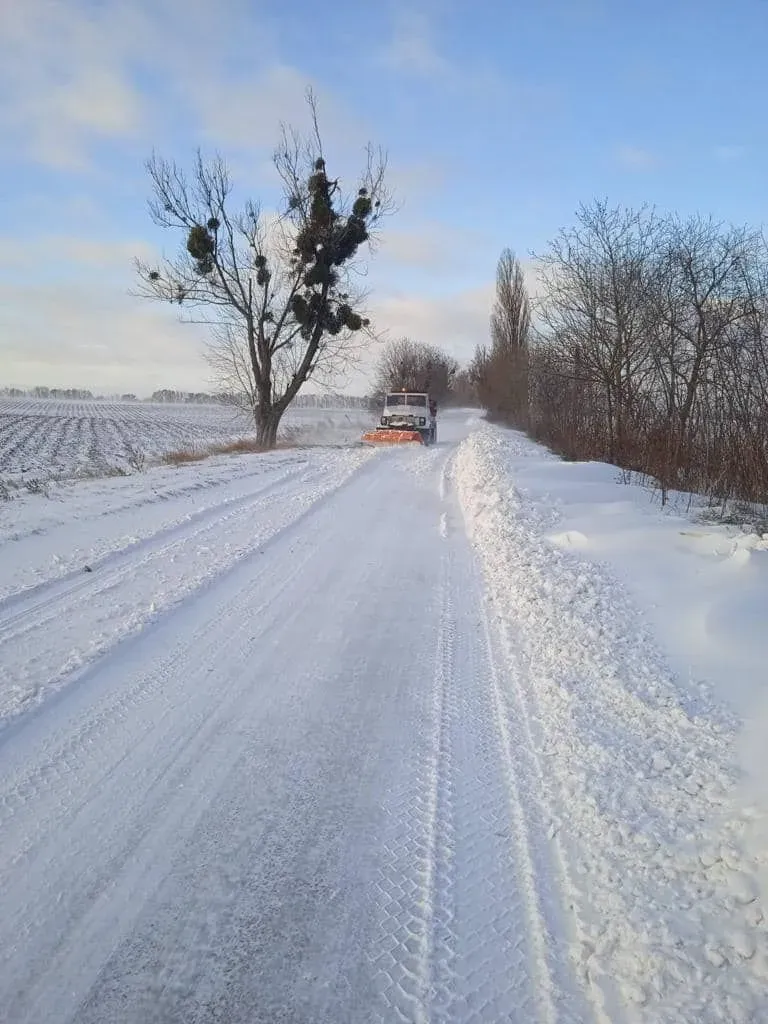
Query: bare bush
239, 446
34, 485
136, 458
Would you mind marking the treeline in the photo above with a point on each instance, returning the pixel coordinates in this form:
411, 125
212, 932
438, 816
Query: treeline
41, 392
647, 347
325, 400
84, 395
165, 395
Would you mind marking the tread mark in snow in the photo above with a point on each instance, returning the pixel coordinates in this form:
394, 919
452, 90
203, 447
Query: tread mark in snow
467, 921
31, 785
134, 842
164, 576
24, 611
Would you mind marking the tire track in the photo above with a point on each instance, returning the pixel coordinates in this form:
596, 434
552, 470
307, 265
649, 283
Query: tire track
516, 814
186, 845
411, 912
214, 819
441, 966
41, 660
33, 603
81, 785
471, 921
75, 741
491, 940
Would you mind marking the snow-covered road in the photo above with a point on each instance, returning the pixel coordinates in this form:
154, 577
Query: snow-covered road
272, 758
293, 795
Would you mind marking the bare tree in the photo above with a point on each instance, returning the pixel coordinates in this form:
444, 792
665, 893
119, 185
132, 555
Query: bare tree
703, 290
413, 366
500, 372
595, 278
511, 316
279, 293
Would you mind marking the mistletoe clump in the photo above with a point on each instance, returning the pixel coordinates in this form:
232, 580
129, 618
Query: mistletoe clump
201, 245
327, 240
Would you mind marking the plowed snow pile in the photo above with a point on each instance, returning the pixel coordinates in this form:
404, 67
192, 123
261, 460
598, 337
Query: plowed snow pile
635, 710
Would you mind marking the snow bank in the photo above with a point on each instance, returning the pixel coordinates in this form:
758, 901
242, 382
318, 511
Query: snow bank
624, 631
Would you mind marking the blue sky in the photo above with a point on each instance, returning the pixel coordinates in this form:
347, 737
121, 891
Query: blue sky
499, 119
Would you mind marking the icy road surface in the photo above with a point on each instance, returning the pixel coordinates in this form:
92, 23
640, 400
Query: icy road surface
271, 759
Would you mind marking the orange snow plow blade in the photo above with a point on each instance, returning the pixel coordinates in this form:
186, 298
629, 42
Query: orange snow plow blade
392, 437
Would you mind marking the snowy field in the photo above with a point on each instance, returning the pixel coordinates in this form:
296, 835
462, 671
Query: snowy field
269, 751
43, 440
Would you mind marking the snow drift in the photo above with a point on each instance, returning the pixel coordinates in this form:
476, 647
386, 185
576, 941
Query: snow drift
639, 761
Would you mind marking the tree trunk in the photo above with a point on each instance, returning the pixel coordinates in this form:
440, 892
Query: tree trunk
267, 423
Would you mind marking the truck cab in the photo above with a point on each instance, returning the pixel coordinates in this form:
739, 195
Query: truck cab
410, 410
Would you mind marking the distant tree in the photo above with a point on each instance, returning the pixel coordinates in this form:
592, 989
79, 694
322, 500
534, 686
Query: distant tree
413, 366
279, 292
500, 371
463, 391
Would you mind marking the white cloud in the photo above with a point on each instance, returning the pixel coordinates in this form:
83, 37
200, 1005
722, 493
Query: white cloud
413, 52
104, 340
63, 80
73, 74
455, 322
247, 112
636, 158
84, 330
412, 49
72, 258
81, 328
70, 75
432, 246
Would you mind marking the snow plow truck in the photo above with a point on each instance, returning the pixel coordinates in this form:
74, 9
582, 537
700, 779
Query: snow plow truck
407, 417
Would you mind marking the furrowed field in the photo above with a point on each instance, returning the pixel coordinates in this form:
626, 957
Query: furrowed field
59, 439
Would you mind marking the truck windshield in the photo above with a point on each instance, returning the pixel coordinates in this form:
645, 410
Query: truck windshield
418, 400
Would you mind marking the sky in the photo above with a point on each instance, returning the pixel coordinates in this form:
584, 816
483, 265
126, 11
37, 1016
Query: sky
499, 118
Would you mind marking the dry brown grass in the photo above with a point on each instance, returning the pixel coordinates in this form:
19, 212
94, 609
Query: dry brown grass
183, 456
241, 446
